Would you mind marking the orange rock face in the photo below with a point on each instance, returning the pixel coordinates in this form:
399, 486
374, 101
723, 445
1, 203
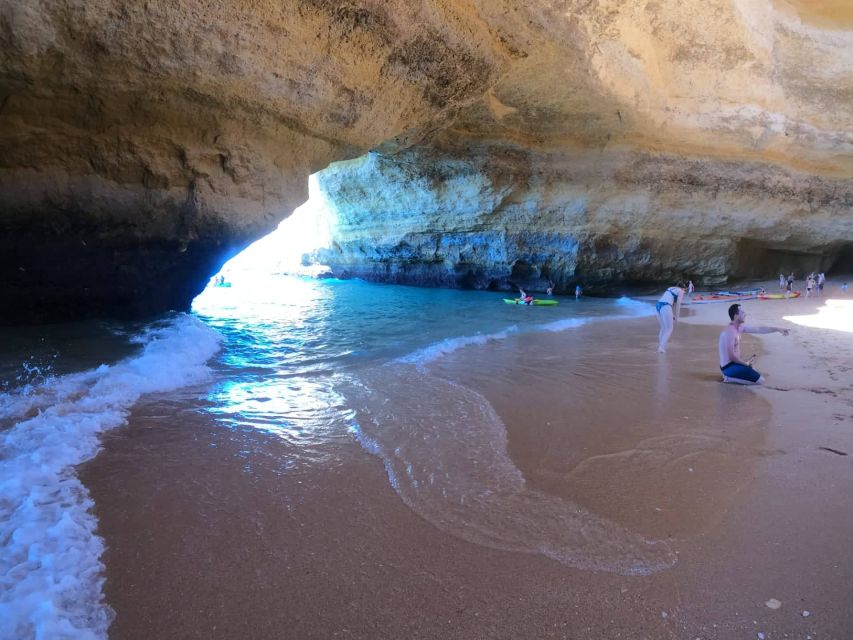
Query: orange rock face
144, 143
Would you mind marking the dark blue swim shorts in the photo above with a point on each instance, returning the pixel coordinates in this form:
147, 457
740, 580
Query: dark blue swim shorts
661, 305
741, 371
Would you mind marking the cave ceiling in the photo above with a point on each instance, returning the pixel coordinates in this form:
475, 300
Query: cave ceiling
160, 137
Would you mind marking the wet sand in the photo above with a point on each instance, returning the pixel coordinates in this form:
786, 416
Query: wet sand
213, 533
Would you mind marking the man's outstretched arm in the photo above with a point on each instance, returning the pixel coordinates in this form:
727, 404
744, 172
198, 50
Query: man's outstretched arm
781, 330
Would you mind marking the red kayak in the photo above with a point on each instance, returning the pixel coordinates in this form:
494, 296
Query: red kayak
722, 297
725, 296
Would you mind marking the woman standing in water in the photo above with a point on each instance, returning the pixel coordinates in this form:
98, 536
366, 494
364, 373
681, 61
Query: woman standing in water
668, 308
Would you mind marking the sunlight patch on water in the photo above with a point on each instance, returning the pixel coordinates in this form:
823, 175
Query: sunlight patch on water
299, 410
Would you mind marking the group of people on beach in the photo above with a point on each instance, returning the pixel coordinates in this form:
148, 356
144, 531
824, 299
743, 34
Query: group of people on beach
814, 283
733, 367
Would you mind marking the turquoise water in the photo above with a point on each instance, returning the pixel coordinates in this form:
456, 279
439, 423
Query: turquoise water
314, 361
311, 362
304, 326
291, 344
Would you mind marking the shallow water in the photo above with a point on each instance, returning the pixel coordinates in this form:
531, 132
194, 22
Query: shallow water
291, 375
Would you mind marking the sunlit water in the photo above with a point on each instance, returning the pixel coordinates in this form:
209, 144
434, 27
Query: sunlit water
308, 361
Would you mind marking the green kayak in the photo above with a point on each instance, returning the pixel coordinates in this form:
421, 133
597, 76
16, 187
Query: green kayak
526, 304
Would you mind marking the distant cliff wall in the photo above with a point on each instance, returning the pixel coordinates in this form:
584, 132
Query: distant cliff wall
491, 220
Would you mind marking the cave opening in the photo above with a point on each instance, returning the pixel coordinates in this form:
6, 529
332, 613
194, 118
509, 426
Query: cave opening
756, 260
289, 249
259, 274
523, 272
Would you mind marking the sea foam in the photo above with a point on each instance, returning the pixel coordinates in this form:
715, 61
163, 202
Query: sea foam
628, 308
51, 575
635, 307
445, 451
428, 354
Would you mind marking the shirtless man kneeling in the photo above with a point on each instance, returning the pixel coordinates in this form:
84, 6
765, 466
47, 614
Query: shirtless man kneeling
734, 369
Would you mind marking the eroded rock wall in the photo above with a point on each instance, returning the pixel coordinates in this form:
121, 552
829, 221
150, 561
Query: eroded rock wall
143, 143
497, 220
635, 142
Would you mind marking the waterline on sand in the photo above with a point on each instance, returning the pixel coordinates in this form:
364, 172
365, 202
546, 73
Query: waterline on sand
51, 575
445, 452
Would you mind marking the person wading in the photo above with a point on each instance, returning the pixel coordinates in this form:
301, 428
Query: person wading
668, 307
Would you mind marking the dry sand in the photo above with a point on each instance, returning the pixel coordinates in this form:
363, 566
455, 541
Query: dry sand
210, 535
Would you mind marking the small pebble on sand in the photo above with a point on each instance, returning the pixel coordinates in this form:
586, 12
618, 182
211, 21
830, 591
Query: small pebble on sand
773, 603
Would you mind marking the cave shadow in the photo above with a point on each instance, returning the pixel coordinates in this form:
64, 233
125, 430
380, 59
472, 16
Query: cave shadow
759, 260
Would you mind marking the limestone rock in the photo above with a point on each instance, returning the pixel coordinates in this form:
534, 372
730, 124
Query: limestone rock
633, 143
144, 143
503, 220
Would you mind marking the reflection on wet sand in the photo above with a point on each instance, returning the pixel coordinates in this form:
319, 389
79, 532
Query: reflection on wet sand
444, 449
564, 446
636, 437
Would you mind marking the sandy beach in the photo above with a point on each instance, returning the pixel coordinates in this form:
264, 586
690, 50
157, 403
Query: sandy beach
212, 533
786, 541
